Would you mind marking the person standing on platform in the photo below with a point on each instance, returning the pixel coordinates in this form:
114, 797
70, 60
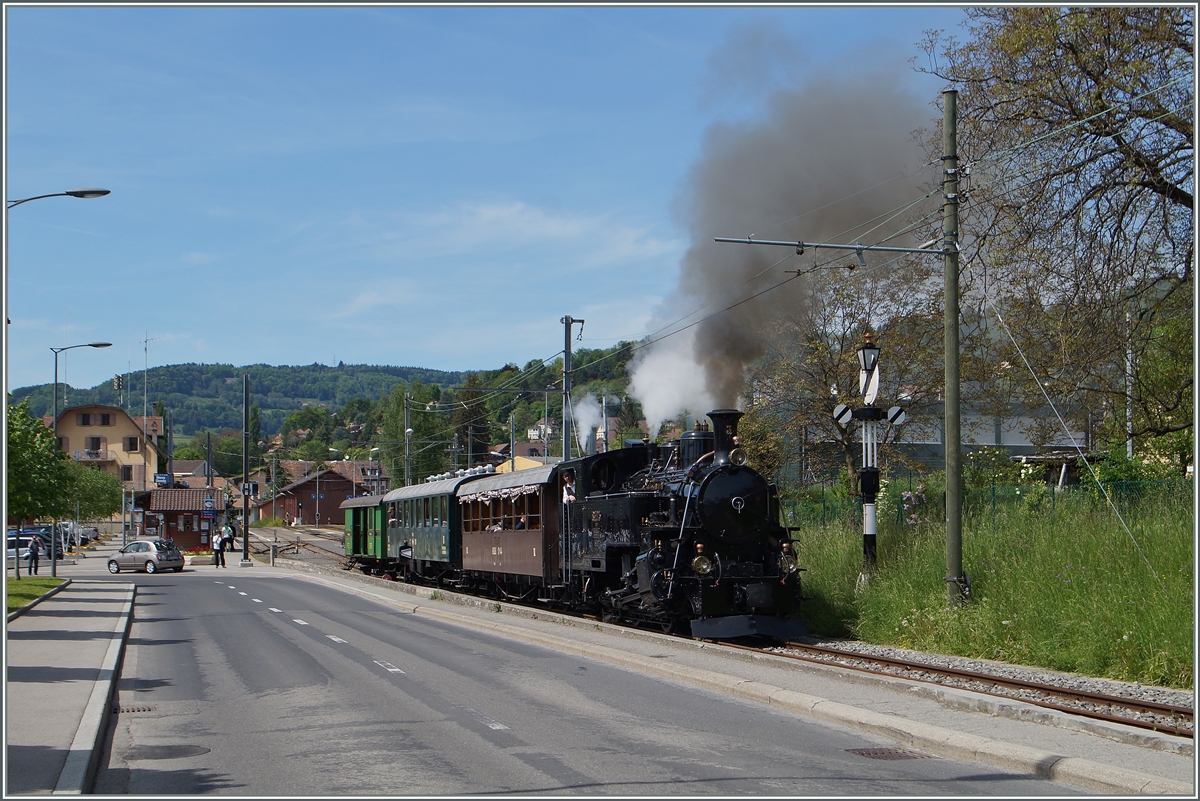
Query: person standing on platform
35, 551
222, 544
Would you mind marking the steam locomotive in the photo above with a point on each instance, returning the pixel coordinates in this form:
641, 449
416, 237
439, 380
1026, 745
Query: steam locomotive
682, 534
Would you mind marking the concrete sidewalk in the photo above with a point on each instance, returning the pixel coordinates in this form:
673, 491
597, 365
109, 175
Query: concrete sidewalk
63, 655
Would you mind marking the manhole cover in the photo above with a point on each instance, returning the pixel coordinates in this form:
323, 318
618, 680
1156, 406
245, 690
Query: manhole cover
888, 753
165, 751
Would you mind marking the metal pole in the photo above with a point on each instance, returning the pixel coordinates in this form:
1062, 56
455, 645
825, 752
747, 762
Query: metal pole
1129, 389
512, 445
407, 448
604, 417
246, 471
568, 321
956, 581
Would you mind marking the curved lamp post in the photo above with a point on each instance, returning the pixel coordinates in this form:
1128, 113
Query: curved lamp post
54, 528
87, 192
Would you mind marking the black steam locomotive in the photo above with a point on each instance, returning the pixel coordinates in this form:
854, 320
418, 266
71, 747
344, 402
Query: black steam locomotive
673, 535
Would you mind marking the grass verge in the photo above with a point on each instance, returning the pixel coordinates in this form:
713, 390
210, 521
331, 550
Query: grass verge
1056, 583
29, 587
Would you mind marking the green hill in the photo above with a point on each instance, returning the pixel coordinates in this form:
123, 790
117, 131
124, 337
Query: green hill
208, 397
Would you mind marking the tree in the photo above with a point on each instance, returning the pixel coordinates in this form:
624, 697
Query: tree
469, 420
93, 494
38, 477
811, 364
1076, 125
189, 453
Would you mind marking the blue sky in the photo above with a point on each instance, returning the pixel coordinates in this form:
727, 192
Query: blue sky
384, 185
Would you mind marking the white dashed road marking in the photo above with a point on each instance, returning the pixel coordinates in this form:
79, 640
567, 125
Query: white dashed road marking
485, 720
256, 600
389, 667
298, 620
273, 609
335, 639
241, 593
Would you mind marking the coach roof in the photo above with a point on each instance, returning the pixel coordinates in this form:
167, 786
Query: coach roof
446, 486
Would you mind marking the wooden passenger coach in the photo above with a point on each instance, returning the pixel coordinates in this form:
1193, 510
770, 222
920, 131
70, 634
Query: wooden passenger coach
494, 539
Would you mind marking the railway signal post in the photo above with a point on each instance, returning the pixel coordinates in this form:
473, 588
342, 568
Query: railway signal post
870, 415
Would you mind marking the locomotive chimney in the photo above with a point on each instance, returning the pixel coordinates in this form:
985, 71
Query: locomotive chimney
725, 423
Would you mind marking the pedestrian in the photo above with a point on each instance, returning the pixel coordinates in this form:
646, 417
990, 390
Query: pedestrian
35, 551
222, 544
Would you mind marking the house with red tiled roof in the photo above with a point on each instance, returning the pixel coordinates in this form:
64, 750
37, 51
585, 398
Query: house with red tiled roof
313, 500
106, 437
187, 516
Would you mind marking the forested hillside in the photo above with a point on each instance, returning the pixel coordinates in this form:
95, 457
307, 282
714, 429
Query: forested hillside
208, 397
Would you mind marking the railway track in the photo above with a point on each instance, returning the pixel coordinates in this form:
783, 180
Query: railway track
1153, 715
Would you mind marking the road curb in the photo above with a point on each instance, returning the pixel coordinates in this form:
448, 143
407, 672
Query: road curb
79, 770
944, 742
16, 613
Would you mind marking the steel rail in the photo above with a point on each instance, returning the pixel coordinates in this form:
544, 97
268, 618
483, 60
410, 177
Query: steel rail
822, 655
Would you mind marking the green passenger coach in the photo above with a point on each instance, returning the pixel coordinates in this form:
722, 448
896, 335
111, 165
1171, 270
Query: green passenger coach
365, 536
424, 534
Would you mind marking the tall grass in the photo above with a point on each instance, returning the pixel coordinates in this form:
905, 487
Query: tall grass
1056, 580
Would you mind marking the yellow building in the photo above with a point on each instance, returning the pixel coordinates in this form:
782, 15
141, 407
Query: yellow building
107, 437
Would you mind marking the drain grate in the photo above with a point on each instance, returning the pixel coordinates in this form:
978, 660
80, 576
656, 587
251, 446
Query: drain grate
131, 710
889, 753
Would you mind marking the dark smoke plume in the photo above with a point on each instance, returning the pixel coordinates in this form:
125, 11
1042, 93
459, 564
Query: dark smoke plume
825, 164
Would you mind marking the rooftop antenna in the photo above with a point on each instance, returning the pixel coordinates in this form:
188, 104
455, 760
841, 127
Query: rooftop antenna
145, 373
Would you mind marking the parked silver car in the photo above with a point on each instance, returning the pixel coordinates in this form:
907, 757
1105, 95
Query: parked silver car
149, 555
23, 552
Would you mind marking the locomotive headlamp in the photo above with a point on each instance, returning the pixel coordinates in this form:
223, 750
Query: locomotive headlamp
787, 563
702, 565
738, 457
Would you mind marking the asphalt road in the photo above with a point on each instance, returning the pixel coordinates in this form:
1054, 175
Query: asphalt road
259, 685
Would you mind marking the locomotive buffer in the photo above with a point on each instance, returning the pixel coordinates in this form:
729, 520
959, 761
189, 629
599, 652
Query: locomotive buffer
870, 415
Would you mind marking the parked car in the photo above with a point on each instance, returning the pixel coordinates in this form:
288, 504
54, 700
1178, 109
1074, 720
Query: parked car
44, 537
151, 555
18, 548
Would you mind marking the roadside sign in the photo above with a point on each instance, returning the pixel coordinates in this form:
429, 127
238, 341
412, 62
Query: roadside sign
162, 479
208, 514
315, 495
208, 503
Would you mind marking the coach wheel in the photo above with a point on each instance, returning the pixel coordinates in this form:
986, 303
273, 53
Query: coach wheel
113, 567
151, 567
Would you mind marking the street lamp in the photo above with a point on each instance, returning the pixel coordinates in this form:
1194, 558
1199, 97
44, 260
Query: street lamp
54, 528
87, 192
